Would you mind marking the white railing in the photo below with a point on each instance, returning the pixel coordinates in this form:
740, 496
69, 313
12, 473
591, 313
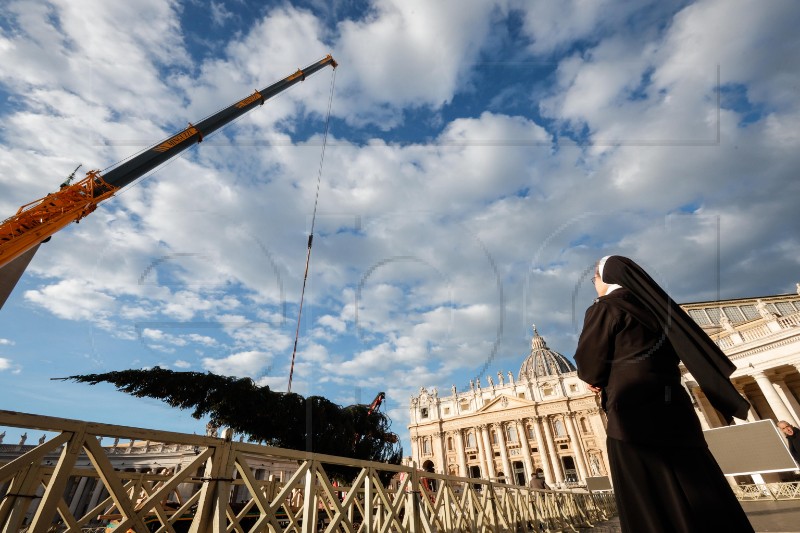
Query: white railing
309, 500
768, 491
754, 331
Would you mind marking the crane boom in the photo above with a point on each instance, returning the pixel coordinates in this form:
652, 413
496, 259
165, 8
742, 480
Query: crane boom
36, 221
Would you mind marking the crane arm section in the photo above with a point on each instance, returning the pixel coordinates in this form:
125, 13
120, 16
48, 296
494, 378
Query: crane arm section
38, 220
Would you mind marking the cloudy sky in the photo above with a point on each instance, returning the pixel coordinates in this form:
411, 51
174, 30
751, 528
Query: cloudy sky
480, 157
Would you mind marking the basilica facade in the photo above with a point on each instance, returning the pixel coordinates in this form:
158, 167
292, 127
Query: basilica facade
546, 420
543, 421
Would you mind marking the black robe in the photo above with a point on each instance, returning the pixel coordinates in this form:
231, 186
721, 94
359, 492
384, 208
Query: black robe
665, 478
623, 350
702, 357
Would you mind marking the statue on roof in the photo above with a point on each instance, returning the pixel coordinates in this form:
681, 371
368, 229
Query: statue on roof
765, 313
725, 322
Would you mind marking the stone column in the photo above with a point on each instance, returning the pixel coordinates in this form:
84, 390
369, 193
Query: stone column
788, 399
697, 409
416, 451
488, 454
504, 453
462, 455
558, 472
439, 456
549, 475
596, 421
712, 418
774, 401
76, 498
751, 413
96, 493
526, 448
572, 431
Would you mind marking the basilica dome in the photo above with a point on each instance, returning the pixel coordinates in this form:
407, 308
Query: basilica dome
543, 361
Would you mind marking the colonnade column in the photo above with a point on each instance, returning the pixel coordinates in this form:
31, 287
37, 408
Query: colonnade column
549, 475
555, 460
440, 457
751, 413
596, 421
488, 454
526, 448
774, 401
504, 453
572, 430
462, 455
788, 400
697, 409
76, 498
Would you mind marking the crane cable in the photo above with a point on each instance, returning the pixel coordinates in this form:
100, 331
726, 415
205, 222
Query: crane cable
311, 234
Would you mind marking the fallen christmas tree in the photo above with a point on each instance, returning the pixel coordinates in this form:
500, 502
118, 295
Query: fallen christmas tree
280, 419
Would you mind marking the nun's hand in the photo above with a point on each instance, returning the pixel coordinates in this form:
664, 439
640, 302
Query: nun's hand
595, 389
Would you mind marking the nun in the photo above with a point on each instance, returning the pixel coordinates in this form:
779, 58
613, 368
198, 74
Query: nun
634, 336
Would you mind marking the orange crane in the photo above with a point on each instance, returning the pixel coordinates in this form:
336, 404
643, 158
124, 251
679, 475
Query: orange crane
35, 222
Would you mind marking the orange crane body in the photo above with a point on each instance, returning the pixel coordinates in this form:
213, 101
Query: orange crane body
35, 222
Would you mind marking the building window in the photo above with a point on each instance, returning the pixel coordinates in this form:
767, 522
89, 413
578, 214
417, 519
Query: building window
447, 410
521, 395
785, 308
511, 432
494, 436
558, 426
585, 426
450, 444
713, 314
531, 433
733, 314
470, 440
699, 316
573, 387
547, 390
465, 406
426, 447
750, 312
424, 412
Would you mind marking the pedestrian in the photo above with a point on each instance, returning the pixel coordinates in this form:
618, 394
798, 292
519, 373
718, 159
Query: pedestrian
537, 482
792, 438
664, 476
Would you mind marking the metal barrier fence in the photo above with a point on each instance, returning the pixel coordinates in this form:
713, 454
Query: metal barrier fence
309, 500
768, 491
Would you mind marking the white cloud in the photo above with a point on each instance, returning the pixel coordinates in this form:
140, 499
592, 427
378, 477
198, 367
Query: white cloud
418, 54
238, 364
10, 366
73, 299
452, 247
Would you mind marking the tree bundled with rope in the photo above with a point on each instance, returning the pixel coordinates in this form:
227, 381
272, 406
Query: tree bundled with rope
281, 419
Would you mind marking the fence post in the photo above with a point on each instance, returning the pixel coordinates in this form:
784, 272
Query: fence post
209, 516
412, 501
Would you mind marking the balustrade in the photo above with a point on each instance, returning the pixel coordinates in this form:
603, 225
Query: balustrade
380, 497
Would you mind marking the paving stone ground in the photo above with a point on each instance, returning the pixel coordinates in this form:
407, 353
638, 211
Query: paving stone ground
766, 517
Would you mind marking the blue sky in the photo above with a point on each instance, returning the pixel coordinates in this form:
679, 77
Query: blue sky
481, 156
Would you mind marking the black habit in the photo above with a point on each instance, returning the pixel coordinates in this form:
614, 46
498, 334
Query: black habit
664, 477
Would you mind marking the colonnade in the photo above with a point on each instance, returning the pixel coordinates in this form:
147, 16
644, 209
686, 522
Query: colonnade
780, 399
496, 445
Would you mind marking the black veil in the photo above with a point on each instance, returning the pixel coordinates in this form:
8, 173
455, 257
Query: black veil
702, 357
